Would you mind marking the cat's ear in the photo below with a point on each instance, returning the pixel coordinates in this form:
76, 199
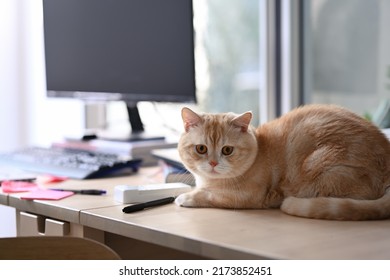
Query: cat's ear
243, 121
190, 118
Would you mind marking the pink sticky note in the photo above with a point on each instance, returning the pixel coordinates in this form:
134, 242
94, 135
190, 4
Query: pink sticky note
18, 186
46, 195
48, 179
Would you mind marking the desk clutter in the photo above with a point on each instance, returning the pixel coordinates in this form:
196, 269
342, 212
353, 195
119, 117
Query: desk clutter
90, 159
34, 186
174, 170
71, 163
136, 149
32, 190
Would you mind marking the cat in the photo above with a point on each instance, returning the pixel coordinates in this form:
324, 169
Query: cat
317, 161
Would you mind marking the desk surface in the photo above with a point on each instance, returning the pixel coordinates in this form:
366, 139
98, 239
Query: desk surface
221, 234
68, 209
215, 233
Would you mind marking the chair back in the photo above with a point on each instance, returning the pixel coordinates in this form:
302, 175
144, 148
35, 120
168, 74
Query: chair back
54, 248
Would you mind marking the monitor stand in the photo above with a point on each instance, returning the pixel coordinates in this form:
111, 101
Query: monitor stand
137, 133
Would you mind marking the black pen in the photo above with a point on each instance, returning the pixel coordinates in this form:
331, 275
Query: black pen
90, 191
142, 206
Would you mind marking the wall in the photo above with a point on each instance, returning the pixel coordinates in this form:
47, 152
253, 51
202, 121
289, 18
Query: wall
27, 117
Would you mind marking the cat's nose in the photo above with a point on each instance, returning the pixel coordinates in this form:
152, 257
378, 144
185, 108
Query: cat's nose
213, 163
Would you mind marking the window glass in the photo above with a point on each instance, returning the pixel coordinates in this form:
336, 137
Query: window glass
227, 55
349, 55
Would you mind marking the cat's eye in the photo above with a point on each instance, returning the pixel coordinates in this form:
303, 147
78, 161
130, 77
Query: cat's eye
227, 150
201, 149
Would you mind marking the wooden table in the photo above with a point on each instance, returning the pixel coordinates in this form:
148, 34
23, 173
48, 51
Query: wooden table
172, 232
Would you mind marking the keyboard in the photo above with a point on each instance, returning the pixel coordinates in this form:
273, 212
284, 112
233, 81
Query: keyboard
70, 163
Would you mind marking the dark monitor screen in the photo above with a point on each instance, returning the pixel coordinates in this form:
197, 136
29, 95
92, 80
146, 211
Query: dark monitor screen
130, 50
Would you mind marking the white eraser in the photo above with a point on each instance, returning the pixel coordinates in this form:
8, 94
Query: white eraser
144, 193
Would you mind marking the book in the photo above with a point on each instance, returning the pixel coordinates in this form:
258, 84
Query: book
186, 178
174, 170
170, 156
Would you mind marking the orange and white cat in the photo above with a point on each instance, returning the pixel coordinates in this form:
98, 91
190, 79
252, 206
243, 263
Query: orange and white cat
318, 161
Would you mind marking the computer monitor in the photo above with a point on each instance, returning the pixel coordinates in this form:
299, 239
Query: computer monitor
128, 50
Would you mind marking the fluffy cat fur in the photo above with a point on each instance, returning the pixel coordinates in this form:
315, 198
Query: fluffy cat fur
318, 161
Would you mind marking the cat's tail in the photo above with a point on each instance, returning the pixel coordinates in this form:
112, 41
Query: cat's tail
331, 208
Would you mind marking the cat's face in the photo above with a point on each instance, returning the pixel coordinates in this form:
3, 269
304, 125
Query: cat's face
217, 146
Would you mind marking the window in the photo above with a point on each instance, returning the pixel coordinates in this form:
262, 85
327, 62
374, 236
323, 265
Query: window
227, 55
348, 54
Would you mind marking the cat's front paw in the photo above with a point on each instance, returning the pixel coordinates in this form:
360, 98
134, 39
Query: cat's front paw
185, 200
